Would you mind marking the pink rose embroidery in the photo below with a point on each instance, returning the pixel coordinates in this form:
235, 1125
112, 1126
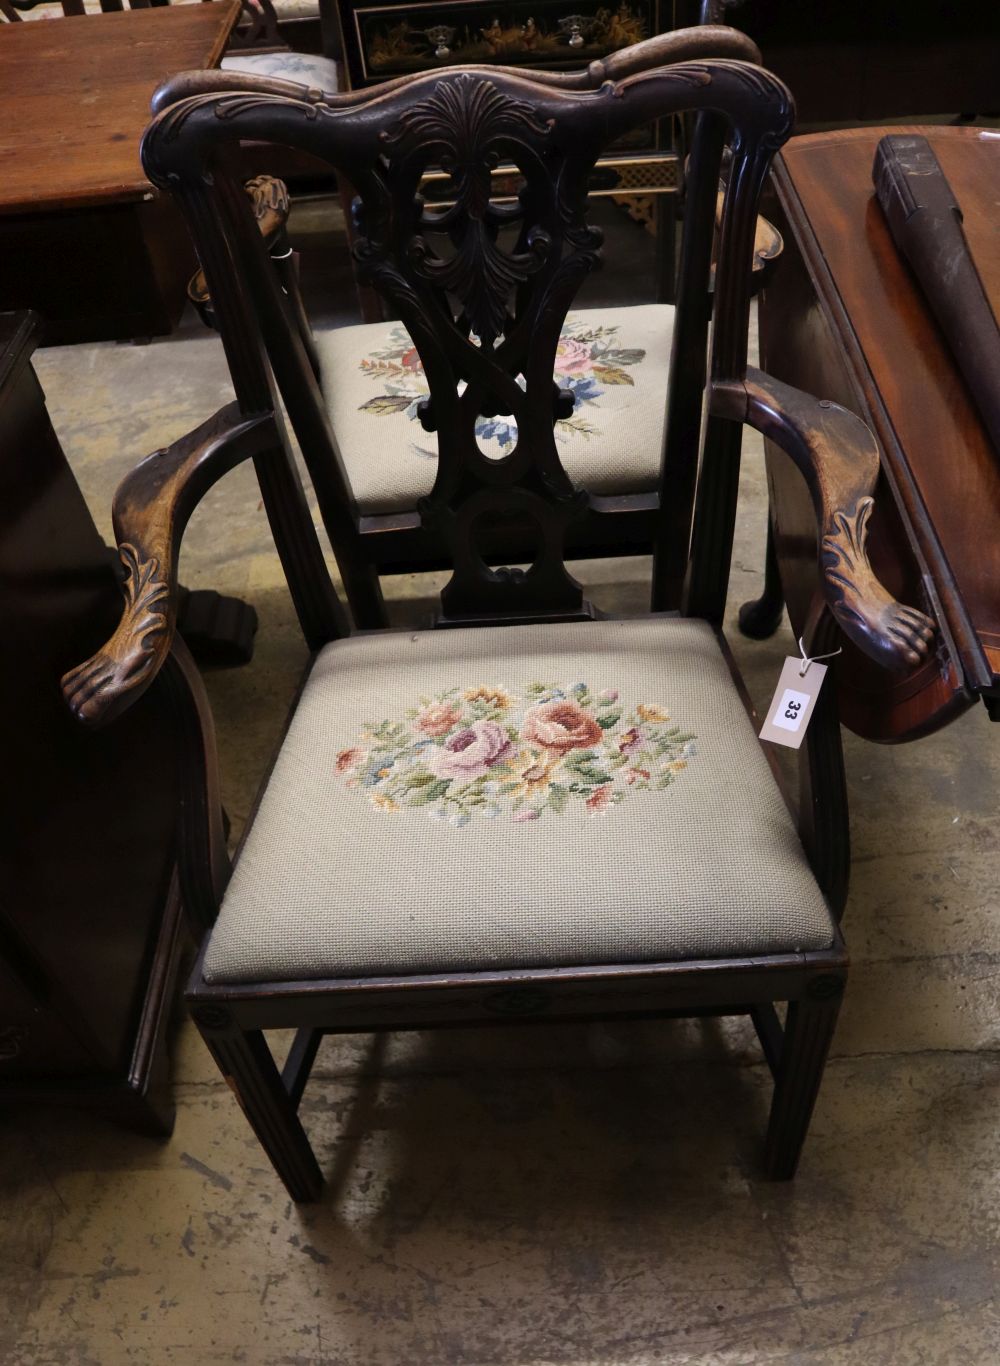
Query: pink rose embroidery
470, 752
560, 725
572, 356
438, 719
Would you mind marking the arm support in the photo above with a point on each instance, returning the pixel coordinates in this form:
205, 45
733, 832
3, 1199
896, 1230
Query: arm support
839, 459
152, 507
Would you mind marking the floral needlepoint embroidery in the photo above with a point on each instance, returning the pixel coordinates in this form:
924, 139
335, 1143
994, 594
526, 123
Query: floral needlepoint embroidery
485, 752
589, 361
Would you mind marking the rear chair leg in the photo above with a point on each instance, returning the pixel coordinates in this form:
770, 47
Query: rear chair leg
245, 1061
808, 1031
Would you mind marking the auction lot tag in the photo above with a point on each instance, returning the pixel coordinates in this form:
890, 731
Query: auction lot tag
792, 704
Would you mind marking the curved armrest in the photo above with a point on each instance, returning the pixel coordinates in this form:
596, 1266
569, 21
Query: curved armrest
839, 458
663, 49
152, 507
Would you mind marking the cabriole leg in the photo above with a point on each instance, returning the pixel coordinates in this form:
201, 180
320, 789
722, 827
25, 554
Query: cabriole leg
761, 617
245, 1061
808, 1031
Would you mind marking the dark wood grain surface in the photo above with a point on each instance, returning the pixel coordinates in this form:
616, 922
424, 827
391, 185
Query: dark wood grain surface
89, 911
80, 88
846, 314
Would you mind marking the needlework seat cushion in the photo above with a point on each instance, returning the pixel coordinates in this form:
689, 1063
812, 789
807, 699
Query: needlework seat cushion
615, 360
517, 797
305, 68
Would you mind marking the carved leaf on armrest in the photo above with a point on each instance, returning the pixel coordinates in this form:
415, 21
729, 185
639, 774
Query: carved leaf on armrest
839, 459
858, 601
97, 690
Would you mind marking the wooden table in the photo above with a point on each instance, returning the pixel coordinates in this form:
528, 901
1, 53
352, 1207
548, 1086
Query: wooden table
84, 238
844, 318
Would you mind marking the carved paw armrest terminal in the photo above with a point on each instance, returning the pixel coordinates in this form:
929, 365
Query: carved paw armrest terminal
839, 458
271, 206
152, 506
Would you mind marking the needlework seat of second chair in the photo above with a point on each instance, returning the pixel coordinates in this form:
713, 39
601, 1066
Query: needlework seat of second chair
613, 360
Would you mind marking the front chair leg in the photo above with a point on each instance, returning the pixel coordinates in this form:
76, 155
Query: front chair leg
808, 1031
245, 1061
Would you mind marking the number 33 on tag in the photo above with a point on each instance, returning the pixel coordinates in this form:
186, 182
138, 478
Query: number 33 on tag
792, 704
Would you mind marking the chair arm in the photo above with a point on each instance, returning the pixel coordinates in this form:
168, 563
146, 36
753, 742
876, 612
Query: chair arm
839, 459
152, 506
664, 49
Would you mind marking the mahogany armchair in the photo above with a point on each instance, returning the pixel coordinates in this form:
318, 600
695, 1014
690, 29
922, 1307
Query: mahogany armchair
538, 812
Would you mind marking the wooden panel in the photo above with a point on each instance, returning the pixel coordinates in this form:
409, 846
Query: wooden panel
74, 139
89, 837
98, 274
858, 60
393, 39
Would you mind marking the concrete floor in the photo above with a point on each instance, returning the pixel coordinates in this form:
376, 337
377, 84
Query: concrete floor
579, 1195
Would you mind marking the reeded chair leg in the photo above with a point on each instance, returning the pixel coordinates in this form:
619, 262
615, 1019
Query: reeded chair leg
246, 1063
808, 1031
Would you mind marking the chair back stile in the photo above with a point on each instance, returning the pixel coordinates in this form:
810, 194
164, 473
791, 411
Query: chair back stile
688, 365
215, 212
708, 562
274, 325
483, 288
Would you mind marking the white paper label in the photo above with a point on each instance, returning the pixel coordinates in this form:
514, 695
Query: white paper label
792, 704
791, 709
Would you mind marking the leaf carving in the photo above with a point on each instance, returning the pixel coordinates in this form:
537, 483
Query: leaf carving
97, 689
145, 592
466, 125
867, 613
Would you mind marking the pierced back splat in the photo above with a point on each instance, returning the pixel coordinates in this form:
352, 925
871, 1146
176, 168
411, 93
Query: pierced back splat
486, 321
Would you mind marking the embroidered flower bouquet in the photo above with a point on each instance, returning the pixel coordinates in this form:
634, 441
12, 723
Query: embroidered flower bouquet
487, 753
589, 360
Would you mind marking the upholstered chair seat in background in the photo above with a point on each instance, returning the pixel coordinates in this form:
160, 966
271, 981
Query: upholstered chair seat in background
614, 361
305, 68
